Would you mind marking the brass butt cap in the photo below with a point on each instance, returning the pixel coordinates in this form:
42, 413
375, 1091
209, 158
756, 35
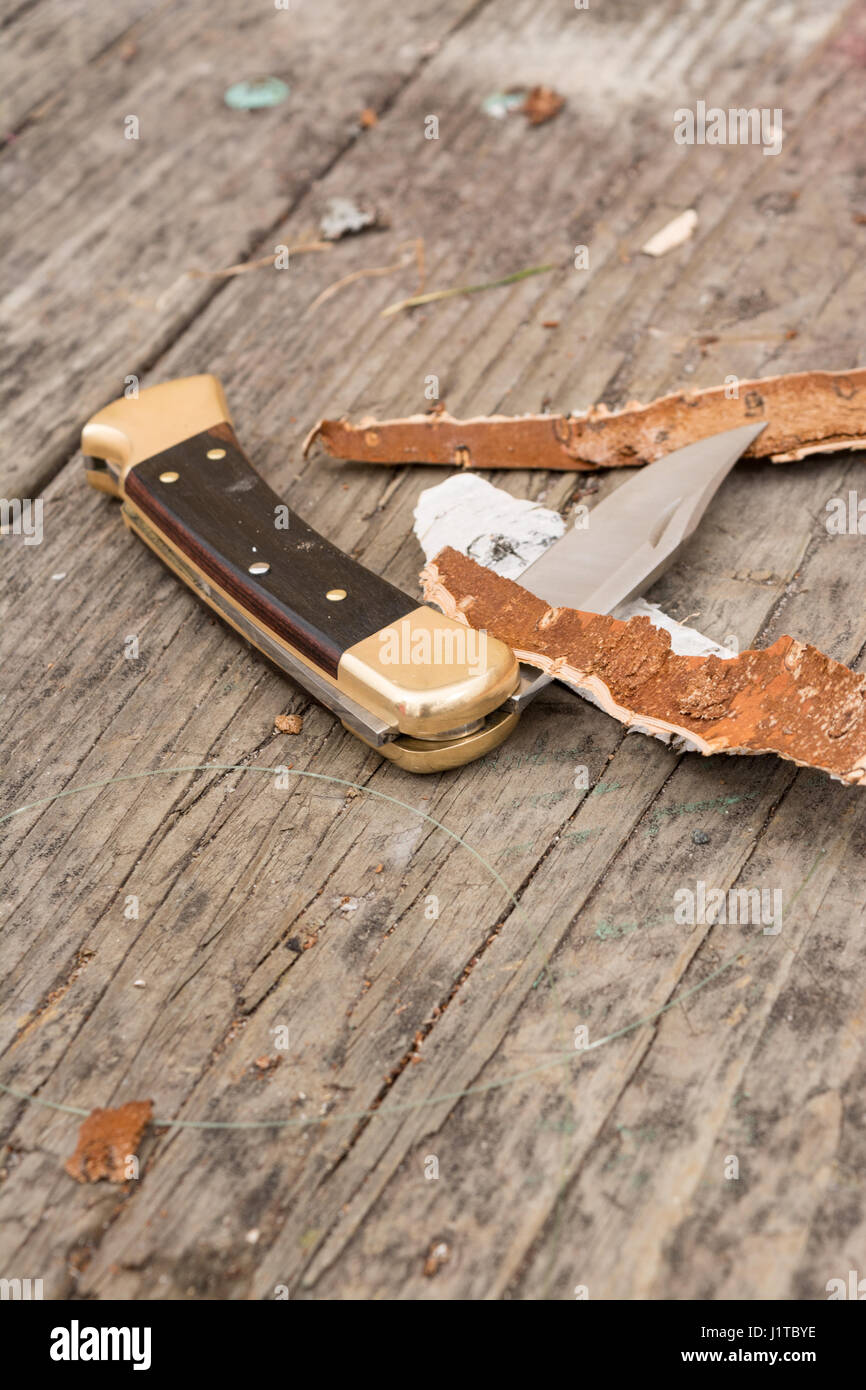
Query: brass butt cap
135, 428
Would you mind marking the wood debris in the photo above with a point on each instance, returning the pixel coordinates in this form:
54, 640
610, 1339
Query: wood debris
673, 234
288, 723
107, 1140
433, 296
788, 699
244, 266
542, 104
417, 245
437, 1256
264, 1066
807, 413
346, 217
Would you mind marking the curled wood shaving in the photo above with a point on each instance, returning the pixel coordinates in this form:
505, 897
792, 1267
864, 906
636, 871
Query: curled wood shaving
807, 413
788, 699
244, 266
107, 1139
417, 245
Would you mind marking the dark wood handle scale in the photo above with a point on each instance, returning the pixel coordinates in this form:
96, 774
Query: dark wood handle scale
221, 513
399, 675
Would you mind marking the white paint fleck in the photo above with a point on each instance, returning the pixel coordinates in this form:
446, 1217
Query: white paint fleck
673, 234
343, 217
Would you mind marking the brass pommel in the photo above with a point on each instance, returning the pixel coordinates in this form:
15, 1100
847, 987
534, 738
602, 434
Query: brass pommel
135, 428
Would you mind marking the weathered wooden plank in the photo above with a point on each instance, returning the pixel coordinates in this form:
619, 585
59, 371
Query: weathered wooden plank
47, 44
212, 951
721, 630
594, 1228
615, 956
99, 246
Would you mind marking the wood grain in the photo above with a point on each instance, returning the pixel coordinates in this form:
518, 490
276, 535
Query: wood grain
222, 515
262, 906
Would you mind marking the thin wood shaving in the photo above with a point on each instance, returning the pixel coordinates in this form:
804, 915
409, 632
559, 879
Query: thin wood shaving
371, 271
263, 261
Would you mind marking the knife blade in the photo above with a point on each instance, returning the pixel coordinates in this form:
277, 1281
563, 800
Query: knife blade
633, 536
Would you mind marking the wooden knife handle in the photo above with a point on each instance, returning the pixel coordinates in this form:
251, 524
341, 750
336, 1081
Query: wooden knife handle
387, 665
205, 497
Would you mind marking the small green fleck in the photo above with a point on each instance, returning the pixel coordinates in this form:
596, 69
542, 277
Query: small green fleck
605, 930
255, 94
499, 104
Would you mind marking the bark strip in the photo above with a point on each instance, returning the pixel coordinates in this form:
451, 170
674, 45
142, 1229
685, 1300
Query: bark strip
107, 1140
807, 413
788, 699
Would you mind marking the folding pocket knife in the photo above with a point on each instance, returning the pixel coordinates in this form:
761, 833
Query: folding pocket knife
399, 675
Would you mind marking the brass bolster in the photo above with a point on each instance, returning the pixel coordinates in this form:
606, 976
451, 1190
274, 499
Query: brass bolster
433, 677
388, 738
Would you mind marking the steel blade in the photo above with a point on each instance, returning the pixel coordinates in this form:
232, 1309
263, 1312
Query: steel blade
633, 535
